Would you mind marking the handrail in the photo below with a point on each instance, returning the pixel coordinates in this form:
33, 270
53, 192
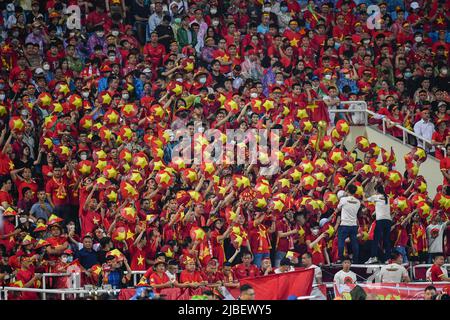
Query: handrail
383, 119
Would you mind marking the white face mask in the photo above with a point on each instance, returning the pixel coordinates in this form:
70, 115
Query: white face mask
23, 219
315, 232
280, 82
83, 157
2, 97
179, 79
215, 23
366, 41
328, 76
418, 39
99, 34
115, 33
85, 94
112, 58
254, 95
407, 49
64, 259
46, 67
443, 71
213, 11
202, 80
125, 96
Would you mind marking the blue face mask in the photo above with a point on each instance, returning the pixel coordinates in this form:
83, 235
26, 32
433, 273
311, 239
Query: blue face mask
284, 9
337, 45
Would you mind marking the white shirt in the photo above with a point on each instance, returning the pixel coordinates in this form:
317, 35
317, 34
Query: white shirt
382, 209
393, 273
357, 117
435, 236
172, 277
425, 130
342, 277
317, 273
350, 206
277, 270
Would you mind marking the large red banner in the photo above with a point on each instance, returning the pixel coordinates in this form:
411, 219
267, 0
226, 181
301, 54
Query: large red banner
280, 286
390, 291
271, 287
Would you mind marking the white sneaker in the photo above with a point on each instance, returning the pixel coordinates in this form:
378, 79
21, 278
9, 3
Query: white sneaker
372, 260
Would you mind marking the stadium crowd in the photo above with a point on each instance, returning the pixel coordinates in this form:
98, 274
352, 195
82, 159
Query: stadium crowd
89, 120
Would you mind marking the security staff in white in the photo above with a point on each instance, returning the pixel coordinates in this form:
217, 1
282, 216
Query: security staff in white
348, 227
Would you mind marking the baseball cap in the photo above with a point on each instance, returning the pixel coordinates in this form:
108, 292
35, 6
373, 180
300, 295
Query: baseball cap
39, 71
414, 5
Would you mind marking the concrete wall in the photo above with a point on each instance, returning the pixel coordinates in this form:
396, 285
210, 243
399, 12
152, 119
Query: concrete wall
429, 169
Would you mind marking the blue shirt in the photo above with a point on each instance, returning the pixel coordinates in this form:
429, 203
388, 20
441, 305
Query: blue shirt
114, 279
262, 29
87, 258
38, 212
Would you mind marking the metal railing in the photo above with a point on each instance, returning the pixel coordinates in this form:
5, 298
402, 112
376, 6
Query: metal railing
405, 131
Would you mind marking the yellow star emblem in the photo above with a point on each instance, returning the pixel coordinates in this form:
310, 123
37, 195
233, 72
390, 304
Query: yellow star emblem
85, 169
278, 205
101, 154
46, 99
295, 175
140, 260
294, 42
64, 88
129, 108
177, 89
111, 173
65, 150
113, 117
48, 142
101, 164
106, 98
112, 196
101, 180
87, 124
261, 203
136, 177
18, 124
336, 156
284, 182
189, 67
130, 235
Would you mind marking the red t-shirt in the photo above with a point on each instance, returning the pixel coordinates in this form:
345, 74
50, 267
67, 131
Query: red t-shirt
5, 197
445, 165
317, 252
259, 239
58, 191
6, 165
157, 279
22, 184
190, 277
242, 271
138, 261
436, 273
89, 221
286, 243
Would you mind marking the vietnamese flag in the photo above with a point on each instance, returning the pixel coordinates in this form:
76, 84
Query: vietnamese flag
280, 286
